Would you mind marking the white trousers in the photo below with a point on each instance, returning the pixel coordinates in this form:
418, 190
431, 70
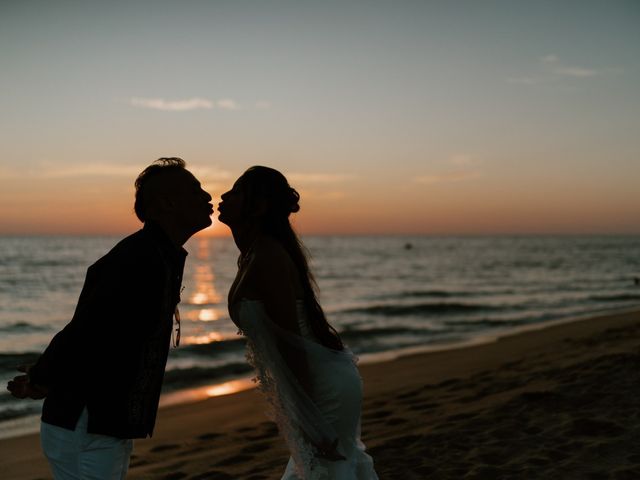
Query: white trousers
78, 455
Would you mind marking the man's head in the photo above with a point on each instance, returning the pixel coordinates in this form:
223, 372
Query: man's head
167, 193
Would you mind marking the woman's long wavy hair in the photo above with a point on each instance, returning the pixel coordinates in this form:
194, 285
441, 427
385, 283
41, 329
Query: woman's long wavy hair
269, 185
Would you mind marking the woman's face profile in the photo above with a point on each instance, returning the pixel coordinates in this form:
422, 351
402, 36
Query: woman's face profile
230, 209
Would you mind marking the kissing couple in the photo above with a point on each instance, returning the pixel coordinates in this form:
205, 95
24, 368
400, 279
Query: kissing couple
102, 374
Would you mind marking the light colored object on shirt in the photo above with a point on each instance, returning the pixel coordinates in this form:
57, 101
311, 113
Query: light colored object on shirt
331, 411
79, 455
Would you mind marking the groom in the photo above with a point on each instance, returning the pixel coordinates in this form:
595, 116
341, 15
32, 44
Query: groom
101, 375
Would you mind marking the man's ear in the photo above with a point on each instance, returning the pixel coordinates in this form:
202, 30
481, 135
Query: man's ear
163, 204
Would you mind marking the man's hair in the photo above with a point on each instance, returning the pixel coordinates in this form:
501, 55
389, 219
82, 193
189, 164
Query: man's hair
156, 169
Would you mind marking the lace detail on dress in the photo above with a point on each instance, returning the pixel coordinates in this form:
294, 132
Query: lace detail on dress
300, 422
300, 449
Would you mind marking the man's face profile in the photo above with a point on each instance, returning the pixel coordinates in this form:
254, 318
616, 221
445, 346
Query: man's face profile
191, 201
178, 196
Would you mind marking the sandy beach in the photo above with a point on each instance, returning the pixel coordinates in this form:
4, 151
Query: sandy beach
561, 402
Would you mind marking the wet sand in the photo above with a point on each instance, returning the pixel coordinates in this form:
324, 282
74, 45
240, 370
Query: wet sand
561, 402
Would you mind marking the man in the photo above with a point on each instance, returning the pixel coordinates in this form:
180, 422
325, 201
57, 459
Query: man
102, 374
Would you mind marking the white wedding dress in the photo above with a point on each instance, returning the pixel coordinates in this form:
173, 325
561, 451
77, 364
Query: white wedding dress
330, 412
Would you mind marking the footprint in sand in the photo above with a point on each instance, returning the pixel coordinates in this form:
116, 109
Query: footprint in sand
407, 440
377, 403
209, 436
396, 421
164, 448
461, 417
380, 414
261, 436
590, 427
410, 394
256, 447
423, 406
175, 476
452, 384
212, 474
233, 460
262, 432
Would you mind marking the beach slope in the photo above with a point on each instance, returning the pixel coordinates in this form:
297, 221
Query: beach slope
562, 402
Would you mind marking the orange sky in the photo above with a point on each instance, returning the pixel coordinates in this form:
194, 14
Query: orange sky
101, 204
411, 117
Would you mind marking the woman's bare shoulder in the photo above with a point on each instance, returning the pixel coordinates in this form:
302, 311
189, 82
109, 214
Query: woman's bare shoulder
272, 265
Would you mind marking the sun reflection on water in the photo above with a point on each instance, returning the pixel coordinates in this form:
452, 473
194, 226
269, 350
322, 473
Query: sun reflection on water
205, 292
204, 315
203, 301
209, 391
203, 339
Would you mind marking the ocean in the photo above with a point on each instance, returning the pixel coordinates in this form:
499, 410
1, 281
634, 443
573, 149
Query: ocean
384, 294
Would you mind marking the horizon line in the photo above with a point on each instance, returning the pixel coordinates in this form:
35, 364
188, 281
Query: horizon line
348, 234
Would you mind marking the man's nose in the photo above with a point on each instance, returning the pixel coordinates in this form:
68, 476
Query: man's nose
207, 195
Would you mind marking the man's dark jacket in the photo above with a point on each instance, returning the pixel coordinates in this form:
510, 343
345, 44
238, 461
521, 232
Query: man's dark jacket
112, 355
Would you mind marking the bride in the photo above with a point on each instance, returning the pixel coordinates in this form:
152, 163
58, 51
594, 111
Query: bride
308, 375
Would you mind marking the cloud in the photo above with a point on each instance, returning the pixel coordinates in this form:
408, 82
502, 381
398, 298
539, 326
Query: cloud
210, 174
319, 186
446, 177
316, 194
227, 104
549, 59
524, 80
51, 170
575, 72
560, 69
88, 170
323, 178
553, 69
463, 159
172, 105
195, 103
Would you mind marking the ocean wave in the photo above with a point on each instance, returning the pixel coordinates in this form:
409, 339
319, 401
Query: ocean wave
445, 293
616, 297
9, 361
211, 348
185, 303
28, 262
421, 309
491, 322
10, 413
355, 336
22, 327
425, 294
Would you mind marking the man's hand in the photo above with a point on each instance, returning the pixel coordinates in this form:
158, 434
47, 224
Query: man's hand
20, 387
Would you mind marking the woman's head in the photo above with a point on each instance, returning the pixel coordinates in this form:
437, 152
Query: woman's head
262, 197
262, 200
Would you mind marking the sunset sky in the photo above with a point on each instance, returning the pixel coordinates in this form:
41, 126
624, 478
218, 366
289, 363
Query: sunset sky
392, 117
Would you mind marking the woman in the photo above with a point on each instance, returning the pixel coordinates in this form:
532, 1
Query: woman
308, 376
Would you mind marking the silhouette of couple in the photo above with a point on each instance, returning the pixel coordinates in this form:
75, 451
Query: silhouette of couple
102, 374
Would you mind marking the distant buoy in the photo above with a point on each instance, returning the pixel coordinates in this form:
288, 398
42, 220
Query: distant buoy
408, 246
